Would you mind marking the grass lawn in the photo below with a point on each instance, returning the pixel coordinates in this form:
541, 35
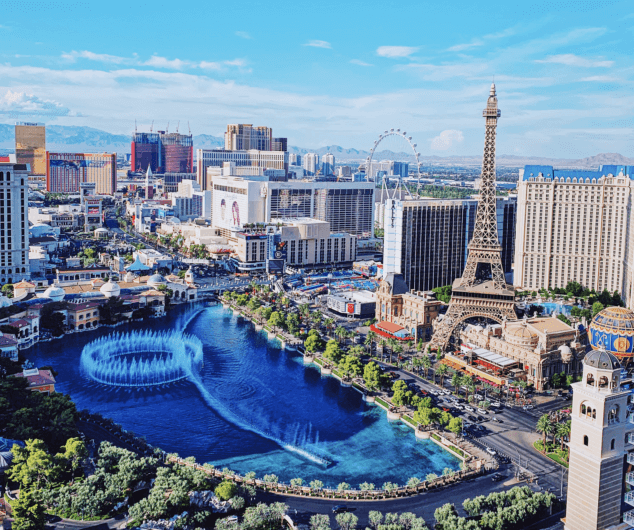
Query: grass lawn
554, 456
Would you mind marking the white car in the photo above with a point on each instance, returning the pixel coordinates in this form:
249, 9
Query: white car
527, 407
491, 451
433, 392
446, 392
469, 408
496, 404
482, 411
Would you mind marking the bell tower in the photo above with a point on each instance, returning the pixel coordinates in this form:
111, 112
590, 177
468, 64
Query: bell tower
598, 438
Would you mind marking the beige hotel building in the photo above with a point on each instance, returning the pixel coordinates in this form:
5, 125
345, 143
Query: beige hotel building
575, 225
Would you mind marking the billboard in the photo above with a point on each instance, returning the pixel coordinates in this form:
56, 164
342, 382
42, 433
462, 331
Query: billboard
278, 249
230, 210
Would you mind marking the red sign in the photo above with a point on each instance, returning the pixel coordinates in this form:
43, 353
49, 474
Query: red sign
350, 308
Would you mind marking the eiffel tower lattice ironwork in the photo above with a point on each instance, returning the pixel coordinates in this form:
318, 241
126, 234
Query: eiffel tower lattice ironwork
482, 290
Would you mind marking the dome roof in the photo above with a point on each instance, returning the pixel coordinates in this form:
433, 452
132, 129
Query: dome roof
110, 289
55, 293
566, 353
613, 330
155, 280
521, 332
602, 360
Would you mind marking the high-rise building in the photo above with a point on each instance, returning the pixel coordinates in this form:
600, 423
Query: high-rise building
294, 159
328, 164
243, 137
206, 158
177, 152
146, 152
347, 206
575, 225
163, 152
310, 163
66, 171
189, 202
30, 146
600, 421
280, 144
427, 240
14, 223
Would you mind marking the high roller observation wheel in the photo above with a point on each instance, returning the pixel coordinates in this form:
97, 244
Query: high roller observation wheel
383, 136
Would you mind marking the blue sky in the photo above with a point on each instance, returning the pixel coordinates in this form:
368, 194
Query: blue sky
329, 72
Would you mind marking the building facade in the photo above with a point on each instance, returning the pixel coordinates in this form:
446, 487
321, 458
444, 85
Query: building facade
66, 171
347, 206
162, 152
279, 144
14, 223
30, 146
598, 443
328, 164
189, 202
145, 152
206, 158
310, 163
575, 225
243, 137
542, 346
426, 240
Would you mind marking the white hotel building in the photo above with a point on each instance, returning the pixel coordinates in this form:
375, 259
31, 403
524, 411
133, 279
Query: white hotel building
575, 225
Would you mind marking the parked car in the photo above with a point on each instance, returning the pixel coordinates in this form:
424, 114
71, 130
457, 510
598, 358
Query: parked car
479, 397
339, 508
232, 519
491, 451
528, 407
472, 418
497, 477
482, 411
496, 404
498, 420
446, 392
469, 408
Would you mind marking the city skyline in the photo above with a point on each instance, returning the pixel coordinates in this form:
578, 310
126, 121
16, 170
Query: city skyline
564, 76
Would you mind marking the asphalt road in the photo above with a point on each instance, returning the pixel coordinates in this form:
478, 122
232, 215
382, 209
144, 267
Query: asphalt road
422, 505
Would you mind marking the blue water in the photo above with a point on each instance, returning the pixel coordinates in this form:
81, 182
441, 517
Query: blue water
551, 307
267, 387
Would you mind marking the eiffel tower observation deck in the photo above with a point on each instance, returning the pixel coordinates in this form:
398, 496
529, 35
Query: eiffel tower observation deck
482, 291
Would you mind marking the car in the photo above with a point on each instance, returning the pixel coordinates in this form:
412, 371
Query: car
497, 420
459, 407
478, 397
446, 392
393, 375
497, 477
528, 407
480, 418
446, 409
491, 451
422, 392
339, 508
469, 408
433, 392
472, 418
496, 404
232, 519
482, 411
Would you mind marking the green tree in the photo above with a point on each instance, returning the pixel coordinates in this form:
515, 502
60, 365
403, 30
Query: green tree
413, 482
316, 484
347, 520
544, 426
319, 521
75, 453
350, 366
455, 425
369, 339
275, 320
313, 343
332, 352
32, 465
376, 518
226, 490
597, 307
340, 333
372, 376
28, 512
564, 319
343, 486
442, 371
297, 482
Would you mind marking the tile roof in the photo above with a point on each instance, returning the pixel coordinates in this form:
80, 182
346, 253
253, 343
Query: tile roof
389, 326
44, 377
7, 340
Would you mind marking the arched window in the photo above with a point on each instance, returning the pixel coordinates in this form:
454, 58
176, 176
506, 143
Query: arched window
603, 382
590, 380
612, 444
613, 414
585, 440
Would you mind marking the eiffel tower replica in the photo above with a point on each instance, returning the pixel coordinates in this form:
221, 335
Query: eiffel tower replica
482, 290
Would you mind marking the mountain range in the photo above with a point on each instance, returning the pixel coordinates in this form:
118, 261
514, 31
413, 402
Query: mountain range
75, 138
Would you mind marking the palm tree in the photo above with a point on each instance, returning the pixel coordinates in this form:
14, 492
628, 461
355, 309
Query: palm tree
426, 364
329, 323
382, 344
563, 430
316, 318
340, 332
369, 339
545, 427
442, 371
398, 349
392, 344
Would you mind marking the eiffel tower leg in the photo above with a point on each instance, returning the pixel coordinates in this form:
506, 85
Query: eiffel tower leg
443, 332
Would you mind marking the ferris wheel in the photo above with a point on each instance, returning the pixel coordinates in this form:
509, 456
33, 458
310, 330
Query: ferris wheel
382, 137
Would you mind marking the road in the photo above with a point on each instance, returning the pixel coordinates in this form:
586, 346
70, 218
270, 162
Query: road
422, 505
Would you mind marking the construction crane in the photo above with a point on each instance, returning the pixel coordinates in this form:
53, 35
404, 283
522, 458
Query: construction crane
177, 126
167, 129
152, 126
189, 128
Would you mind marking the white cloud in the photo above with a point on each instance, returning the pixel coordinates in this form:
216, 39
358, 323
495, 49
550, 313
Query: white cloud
236, 62
207, 65
360, 63
395, 51
601, 78
570, 59
318, 44
243, 34
162, 62
23, 104
461, 47
91, 56
446, 140
508, 32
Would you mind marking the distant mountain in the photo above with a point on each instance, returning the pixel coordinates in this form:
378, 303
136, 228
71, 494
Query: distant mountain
75, 138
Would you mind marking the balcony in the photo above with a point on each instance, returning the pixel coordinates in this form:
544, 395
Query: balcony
628, 517
630, 437
629, 498
629, 478
630, 458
